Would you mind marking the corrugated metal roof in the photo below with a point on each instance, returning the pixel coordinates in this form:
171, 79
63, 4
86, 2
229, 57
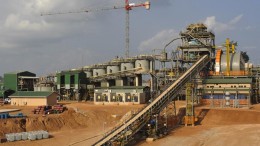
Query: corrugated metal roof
228, 81
19, 72
31, 94
15, 72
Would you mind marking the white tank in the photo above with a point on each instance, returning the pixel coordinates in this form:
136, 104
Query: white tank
246, 66
99, 72
89, 74
126, 66
144, 64
112, 69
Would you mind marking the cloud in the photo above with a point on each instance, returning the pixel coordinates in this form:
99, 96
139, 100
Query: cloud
45, 44
14, 21
159, 40
218, 27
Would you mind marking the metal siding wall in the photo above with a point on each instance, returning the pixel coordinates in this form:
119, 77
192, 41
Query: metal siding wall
76, 78
58, 78
10, 81
67, 78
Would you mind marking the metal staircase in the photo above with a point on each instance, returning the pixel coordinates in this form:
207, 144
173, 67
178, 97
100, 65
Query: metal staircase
124, 133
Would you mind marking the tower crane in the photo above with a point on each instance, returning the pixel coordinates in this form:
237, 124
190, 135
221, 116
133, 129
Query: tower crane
128, 6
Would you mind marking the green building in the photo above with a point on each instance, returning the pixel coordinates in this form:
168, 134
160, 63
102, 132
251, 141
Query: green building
19, 81
72, 84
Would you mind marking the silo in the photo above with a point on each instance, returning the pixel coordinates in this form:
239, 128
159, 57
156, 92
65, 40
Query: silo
89, 74
127, 66
99, 72
113, 69
144, 64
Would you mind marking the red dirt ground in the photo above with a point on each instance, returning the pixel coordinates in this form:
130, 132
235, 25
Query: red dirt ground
219, 126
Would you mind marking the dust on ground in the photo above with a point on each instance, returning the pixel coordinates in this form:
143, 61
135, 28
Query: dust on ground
84, 123
219, 126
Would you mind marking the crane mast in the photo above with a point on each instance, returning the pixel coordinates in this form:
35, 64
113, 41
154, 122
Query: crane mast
128, 6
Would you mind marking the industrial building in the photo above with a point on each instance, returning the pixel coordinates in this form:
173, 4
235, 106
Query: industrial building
198, 69
227, 72
215, 76
19, 81
122, 95
72, 85
31, 98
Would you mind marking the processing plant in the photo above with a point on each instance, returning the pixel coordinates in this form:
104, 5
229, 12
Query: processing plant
198, 71
121, 80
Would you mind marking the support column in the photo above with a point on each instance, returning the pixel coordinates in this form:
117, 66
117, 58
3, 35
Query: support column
138, 80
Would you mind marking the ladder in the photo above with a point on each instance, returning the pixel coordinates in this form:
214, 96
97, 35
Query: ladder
124, 133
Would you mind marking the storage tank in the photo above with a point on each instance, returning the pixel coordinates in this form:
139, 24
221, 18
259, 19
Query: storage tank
236, 62
246, 66
88, 74
127, 66
99, 72
113, 69
144, 64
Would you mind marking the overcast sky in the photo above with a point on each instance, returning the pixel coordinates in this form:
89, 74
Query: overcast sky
45, 44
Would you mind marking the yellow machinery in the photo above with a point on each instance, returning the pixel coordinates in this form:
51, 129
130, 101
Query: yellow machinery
190, 118
228, 56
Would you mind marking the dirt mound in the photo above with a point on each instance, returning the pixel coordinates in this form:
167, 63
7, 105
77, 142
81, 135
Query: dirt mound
228, 117
11, 125
67, 120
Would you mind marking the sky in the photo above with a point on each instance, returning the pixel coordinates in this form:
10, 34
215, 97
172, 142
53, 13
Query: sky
46, 44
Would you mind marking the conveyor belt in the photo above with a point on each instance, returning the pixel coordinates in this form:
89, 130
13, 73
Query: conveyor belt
124, 132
